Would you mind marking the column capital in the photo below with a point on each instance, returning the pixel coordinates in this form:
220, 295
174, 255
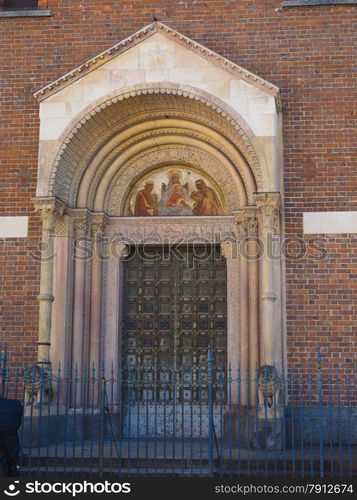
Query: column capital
269, 205
118, 251
251, 214
247, 221
49, 209
241, 220
268, 201
80, 223
97, 225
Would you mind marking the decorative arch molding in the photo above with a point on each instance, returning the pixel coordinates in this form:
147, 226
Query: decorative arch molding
188, 156
106, 113
180, 129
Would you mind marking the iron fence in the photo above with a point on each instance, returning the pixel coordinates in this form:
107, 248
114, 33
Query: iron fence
185, 421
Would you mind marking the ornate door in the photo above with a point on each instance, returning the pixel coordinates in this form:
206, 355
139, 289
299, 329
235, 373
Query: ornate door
174, 308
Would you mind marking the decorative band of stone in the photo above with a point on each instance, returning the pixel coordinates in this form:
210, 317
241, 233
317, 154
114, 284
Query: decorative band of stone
46, 298
269, 296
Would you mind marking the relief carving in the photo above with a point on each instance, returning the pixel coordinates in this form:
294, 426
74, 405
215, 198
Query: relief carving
159, 230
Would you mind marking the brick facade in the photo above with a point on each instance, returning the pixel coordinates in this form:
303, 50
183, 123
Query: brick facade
308, 52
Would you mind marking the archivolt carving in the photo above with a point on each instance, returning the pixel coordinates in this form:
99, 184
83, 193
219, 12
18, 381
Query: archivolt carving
140, 137
187, 95
186, 155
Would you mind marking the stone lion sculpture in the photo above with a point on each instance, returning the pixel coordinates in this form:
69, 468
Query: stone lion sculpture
37, 385
268, 386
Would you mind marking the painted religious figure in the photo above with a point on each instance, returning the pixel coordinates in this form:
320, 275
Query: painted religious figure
146, 202
205, 200
179, 192
175, 199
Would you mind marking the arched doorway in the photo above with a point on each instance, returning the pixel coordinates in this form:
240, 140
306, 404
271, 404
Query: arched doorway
98, 182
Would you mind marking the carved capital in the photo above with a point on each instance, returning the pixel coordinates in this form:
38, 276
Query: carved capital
242, 223
97, 225
118, 251
80, 224
252, 227
61, 228
251, 215
49, 209
269, 205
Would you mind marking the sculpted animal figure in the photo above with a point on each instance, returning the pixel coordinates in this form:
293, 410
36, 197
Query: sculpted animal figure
268, 386
37, 384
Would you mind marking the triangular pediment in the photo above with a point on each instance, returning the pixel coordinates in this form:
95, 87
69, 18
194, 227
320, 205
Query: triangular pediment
142, 36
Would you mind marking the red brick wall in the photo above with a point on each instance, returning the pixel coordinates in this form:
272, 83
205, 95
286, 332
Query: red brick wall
308, 52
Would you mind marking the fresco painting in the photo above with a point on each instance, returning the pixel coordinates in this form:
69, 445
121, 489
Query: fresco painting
174, 192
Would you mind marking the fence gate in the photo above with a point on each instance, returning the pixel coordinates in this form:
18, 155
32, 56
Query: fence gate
174, 308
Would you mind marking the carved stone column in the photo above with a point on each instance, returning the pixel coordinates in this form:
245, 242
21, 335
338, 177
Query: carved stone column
60, 338
252, 250
97, 229
80, 226
112, 305
229, 251
50, 209
270, 327
242, 224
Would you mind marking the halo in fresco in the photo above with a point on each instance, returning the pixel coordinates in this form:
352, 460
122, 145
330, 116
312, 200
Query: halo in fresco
174, 191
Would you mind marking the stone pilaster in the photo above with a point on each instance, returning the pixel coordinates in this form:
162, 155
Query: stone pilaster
269, 227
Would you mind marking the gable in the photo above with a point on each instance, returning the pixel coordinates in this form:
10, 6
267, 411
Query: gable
158, 54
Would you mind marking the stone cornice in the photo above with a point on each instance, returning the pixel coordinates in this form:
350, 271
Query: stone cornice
143, 34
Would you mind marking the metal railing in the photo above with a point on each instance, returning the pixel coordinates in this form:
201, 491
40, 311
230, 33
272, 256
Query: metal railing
186, 421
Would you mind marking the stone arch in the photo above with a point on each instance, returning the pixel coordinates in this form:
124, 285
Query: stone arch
105, 124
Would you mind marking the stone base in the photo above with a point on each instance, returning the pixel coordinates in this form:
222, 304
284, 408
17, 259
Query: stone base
268, 434
43, 430
247, 429
44, 410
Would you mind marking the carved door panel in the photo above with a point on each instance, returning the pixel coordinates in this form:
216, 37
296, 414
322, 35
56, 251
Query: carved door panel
174, 308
